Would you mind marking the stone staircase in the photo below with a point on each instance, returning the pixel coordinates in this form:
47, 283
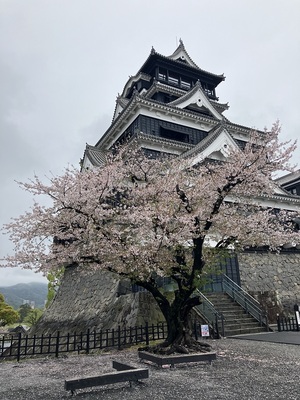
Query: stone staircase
236, 321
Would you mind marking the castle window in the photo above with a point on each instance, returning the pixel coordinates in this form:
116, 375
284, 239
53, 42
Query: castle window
174, 135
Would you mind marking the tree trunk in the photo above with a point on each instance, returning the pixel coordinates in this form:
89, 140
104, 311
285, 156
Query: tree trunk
179, 337
176, 314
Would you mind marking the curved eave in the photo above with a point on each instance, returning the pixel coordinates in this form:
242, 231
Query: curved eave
181, 53
285, 197
163, 141
121, 103
139, 101
242, 128
286, 203
162, 87
177, 111
289, 179
290, 203
95, 156
189, 94
192, 96
194, 68
221, 106
215, 141
133, 79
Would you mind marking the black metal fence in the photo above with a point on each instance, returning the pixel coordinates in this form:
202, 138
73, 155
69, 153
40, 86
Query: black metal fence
287, 324
20, 346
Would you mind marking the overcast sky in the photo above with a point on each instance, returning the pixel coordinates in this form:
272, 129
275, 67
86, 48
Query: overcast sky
63, 62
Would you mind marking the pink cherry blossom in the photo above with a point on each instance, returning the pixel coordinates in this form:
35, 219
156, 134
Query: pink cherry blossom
142, 218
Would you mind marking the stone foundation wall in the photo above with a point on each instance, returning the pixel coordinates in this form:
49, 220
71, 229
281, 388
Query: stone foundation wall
93, 301
273, 278
90, 300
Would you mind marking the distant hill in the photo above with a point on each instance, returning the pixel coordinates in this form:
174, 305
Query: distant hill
34, 291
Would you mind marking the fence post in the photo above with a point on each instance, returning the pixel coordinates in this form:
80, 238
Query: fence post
95, 339
147, 334
2, 345
107, 338
119, 337
26, 345
68, 342
278, 324
19, 346
74, 342
113, 337
57, 345
33, 344
42, 344
88, 342
125, 335
81, 343
165, 330
49, 343
100, 338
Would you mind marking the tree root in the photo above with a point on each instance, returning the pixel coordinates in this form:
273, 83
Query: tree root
183, 345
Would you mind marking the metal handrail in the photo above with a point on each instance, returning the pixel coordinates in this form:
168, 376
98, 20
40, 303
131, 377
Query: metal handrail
239, 288
209, 313
244, 299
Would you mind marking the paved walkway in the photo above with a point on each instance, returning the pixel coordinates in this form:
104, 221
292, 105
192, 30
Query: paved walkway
243, 370
285, 337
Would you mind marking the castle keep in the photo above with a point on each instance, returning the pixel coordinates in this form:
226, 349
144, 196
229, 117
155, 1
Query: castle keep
171, 106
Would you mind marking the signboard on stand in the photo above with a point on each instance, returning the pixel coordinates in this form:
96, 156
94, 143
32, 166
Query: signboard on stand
297, 314
204, 330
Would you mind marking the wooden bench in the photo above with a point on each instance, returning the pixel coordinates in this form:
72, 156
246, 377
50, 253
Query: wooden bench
177, 359
125, 373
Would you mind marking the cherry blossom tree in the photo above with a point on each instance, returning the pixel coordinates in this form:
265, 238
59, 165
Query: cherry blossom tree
143, 218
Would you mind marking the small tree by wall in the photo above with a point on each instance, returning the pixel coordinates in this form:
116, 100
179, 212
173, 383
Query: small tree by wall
8, 315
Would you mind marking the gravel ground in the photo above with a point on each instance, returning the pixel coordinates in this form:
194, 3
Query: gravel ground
244, 369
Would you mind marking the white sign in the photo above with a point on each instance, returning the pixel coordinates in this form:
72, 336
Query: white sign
204, 330
297, 317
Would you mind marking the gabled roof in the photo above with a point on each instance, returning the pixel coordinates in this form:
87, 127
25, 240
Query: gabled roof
288, 179
93, 157
180, 54
176, 59
136, 103
198, 97
218, 140
132, 79
121, 103
162, 87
